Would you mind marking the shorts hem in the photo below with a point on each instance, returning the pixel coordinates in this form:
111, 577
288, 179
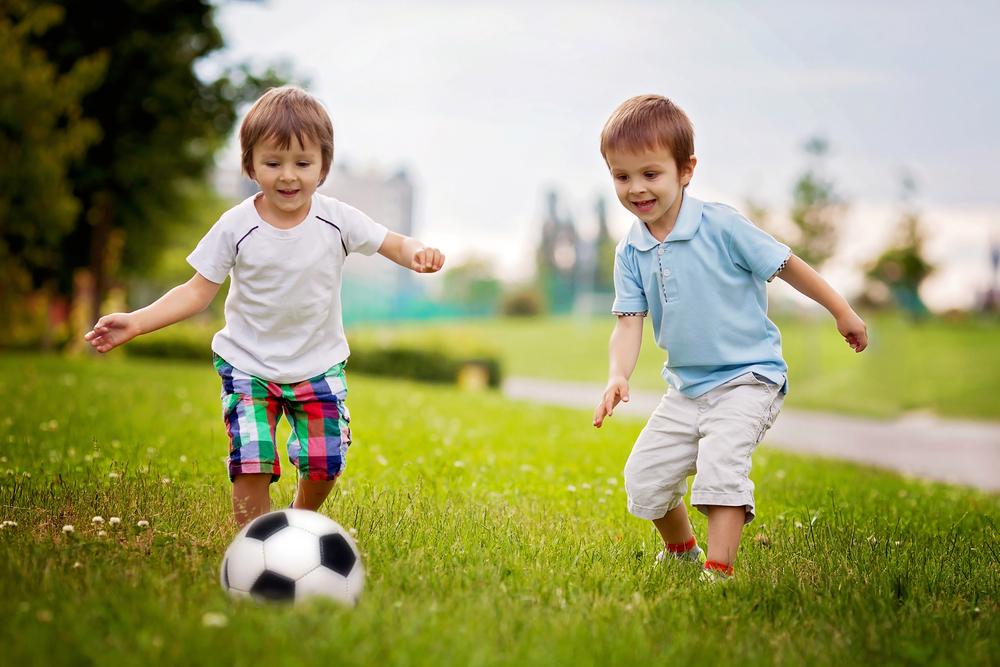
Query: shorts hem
651, 513
702, 501
255, 470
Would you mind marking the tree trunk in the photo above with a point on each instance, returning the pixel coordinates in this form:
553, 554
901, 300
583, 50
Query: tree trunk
102, 217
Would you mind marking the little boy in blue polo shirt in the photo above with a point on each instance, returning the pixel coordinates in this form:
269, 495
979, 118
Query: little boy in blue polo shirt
700, 272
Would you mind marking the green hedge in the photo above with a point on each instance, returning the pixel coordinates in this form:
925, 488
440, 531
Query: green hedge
181, 341
416, 358
424, 365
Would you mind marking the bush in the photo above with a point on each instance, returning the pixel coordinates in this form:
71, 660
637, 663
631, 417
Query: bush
181, 341
525, 302
424, 365
421, 358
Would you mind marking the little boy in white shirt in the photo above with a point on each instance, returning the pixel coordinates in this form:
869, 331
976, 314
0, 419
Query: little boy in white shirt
283, 348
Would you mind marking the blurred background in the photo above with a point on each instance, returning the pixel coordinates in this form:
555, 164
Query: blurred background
862, 134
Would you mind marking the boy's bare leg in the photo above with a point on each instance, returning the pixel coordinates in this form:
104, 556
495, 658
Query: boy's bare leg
312, 493
674, 526
725, 528
251, 496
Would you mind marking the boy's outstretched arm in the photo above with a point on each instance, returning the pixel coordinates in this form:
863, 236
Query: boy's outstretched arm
411, 253
626, 340
178, 304
804, 278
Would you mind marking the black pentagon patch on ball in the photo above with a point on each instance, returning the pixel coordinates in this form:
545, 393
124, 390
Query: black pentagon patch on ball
267, 525
336, 554
271, 586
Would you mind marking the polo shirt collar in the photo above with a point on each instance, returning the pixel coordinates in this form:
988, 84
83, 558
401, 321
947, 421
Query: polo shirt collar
688, 220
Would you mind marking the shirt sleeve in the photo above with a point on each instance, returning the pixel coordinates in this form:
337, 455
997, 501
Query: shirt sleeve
756, 251
630, 297
361, 233
215, 254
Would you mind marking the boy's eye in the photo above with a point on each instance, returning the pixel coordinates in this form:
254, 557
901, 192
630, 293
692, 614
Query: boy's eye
621, 178
271, 164
303, 165
650, 175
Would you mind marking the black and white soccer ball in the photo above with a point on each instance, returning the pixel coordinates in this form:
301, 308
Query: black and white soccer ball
292, 554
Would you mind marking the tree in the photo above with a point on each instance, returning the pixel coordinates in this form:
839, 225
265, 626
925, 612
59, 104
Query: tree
473, 285
42, 130
604, 276
897, 273
816, 212
556, 257
161, 126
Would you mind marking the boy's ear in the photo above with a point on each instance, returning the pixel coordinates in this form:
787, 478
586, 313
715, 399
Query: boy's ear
688, 172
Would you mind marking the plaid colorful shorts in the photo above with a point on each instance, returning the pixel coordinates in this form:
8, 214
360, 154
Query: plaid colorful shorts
321, 431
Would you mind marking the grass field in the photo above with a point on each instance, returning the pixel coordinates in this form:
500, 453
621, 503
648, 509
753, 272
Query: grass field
949, 368
494, 533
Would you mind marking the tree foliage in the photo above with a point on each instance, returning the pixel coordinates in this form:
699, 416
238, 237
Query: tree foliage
897, 273
42, 131
161, 126
816, 213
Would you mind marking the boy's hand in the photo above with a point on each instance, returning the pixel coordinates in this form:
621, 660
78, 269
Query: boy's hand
854, 331
616, 391
111, 331
427, 260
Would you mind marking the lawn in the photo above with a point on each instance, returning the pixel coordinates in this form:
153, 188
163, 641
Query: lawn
946, 367
494, 533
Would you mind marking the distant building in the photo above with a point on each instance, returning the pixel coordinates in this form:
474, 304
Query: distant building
375, 288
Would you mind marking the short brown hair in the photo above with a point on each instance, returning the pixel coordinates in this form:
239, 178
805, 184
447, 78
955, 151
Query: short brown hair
283, 113
649, 121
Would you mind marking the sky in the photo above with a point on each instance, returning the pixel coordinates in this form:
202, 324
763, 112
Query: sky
488, 105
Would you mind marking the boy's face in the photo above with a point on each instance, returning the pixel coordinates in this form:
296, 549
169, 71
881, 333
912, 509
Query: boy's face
287, 178
648, 184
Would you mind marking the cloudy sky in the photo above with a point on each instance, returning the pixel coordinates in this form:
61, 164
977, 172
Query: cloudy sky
489, 104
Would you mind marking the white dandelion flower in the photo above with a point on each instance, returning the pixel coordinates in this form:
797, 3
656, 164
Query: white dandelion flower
97, 520
571, 488
101, 533
215, 619
112, 475
68, 529
77, 565
114, 521
142, 523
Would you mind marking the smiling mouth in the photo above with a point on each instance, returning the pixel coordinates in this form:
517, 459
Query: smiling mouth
288, 193
646, 205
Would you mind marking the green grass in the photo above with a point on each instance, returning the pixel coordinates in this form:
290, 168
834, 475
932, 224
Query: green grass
494, 533
949, 368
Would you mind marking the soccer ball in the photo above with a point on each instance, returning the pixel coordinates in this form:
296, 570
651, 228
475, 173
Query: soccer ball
291, 554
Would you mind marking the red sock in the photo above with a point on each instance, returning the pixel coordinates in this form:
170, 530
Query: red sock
681, 548
719, 567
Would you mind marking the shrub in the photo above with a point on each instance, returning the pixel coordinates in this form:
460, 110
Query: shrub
182, 341
424, 365
524, 302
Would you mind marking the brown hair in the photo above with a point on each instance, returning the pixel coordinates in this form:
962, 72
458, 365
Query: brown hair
649, 121
283, 113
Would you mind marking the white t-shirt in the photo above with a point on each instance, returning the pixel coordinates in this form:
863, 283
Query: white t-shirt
283, 312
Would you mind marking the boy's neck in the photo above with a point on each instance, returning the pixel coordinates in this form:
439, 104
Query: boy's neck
278, 218
661, 227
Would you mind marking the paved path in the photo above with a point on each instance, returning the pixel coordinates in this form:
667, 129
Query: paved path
948, 450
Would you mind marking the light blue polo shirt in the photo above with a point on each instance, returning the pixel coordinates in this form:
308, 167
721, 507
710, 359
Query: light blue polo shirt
705, 289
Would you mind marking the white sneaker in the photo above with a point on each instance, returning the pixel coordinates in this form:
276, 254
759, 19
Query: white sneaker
713, 577
695, 556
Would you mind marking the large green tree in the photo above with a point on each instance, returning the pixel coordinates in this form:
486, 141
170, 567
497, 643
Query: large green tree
161, 126
42, 131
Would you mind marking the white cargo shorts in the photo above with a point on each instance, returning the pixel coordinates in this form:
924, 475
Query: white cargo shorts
711, 437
